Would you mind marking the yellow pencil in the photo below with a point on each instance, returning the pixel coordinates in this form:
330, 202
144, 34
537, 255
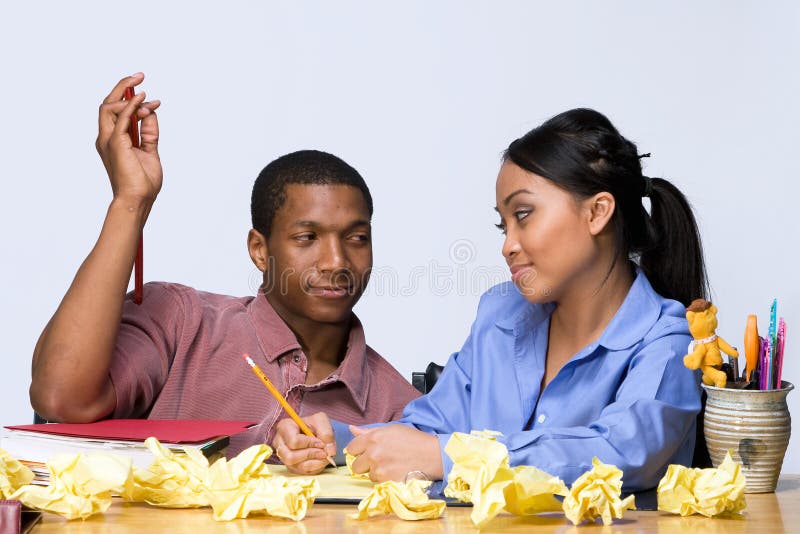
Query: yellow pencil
278, 397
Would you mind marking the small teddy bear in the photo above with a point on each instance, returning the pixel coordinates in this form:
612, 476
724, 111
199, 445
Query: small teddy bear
704, 351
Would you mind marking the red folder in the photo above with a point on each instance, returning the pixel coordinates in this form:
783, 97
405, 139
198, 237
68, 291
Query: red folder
166, 431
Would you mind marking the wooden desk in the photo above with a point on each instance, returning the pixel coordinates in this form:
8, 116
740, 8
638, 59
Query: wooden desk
766, 512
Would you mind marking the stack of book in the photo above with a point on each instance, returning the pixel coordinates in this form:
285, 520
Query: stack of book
32, 445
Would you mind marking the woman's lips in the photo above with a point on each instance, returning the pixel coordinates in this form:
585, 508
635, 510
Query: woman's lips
520, 271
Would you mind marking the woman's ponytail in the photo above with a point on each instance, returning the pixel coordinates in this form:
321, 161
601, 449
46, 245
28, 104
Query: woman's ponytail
673, 260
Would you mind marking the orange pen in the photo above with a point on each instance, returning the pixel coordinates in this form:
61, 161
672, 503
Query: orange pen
752, 345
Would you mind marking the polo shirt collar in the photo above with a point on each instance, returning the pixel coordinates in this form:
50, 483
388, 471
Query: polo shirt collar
274, 335
353, 371
276, 339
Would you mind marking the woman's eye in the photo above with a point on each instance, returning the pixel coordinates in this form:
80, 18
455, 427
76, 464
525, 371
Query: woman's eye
501, 227
521, 214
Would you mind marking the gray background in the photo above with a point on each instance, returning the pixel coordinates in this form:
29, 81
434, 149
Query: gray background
421, 97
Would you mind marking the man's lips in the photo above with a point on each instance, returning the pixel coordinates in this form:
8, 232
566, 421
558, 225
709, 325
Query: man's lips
330, 292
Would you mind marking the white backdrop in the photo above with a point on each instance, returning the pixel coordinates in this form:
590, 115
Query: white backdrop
421, 97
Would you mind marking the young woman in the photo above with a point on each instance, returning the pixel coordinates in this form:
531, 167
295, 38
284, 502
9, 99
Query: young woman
581, 355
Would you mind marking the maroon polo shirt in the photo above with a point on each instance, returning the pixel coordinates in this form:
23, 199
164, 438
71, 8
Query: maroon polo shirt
179, 356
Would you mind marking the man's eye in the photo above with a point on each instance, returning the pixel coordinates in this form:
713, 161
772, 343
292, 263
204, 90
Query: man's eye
360, 237
304, 237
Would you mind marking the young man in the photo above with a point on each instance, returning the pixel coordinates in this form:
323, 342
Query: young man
179, 353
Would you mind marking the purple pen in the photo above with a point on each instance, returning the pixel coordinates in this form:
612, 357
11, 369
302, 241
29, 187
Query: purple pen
763, 364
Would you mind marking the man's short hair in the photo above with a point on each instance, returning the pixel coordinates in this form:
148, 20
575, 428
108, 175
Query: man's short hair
305, 167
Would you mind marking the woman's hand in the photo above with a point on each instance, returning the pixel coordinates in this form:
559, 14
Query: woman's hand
300, 453
135, 173
390, 452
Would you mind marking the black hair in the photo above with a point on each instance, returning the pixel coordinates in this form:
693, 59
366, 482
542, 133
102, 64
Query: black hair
583, 153
301, 167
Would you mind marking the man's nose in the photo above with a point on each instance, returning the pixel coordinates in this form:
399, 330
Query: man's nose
332, 256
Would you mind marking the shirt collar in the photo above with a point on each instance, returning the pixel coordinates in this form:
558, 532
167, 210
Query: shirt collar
353, 371
637, 315
276, 339
274, 335
634, 318
523, 315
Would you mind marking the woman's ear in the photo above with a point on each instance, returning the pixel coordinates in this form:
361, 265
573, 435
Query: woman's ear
257, 247
600, 208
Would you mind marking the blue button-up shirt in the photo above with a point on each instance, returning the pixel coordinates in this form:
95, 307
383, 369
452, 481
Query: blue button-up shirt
626, 398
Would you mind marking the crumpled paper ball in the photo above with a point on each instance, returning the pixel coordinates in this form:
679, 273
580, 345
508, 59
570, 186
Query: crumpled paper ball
596, 493
13, 474
710, 492
81, 485
408, 501
244, 485
348, 460
173, 480
533, 491
481, 475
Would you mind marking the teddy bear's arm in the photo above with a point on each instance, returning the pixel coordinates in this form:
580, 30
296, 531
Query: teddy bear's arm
726, 348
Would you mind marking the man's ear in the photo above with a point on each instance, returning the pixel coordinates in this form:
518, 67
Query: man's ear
600, 208
257, 247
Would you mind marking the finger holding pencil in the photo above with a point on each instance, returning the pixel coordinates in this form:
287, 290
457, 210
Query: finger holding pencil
282, 401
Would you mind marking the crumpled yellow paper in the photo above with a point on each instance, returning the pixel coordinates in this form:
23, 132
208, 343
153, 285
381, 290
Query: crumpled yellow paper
172, 480
533, 491
709, 492
348, 460
596, 493
13, 474
244, 485
81, 485
233, 488
481, 475
407, 500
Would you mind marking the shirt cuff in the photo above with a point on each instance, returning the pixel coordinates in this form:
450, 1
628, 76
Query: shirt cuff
343, 436
447, 463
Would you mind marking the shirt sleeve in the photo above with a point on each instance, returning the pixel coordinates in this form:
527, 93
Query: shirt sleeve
650, 424
148, 338
446, 408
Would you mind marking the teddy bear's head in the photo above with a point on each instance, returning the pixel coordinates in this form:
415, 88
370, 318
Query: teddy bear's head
702, 317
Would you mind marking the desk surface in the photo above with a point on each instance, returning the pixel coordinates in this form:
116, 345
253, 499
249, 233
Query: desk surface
765, 512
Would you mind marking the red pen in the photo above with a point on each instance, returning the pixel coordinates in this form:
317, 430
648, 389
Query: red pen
138, 265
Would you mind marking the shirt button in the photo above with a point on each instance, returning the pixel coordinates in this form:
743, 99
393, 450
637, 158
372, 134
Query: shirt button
296, 358
541, 418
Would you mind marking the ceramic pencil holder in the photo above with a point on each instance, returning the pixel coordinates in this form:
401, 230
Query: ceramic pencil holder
754, 426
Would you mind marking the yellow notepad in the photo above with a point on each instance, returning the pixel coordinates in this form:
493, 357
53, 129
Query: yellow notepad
336, 485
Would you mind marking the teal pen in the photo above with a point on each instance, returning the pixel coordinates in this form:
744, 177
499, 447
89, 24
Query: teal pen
773, 342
